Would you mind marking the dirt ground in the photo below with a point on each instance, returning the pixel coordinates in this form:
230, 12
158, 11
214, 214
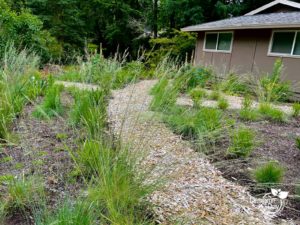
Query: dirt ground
41, 147
275, 141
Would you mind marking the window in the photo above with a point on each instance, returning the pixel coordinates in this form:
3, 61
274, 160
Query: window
285, 43
221, 41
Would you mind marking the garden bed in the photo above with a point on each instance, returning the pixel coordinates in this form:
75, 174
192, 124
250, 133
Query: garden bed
41, 147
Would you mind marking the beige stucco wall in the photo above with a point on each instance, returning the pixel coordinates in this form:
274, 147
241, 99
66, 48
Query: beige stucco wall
249, 56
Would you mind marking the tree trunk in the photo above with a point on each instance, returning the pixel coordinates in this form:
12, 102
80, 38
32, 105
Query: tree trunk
155, 18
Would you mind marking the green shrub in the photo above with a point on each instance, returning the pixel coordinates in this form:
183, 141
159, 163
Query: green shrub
223, 103
296, 109
271, 88
242, 142
297, 140
269, 174
197, 94
51, 105
271, 113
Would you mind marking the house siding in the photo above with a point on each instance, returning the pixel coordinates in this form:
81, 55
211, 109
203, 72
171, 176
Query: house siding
249, 56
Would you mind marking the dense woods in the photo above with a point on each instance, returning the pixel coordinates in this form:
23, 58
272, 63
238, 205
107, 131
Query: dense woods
60, 29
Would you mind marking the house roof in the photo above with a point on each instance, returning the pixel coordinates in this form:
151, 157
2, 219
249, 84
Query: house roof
274, 3
260, 21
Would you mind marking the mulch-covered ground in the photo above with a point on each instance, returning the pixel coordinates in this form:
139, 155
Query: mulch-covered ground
41, 147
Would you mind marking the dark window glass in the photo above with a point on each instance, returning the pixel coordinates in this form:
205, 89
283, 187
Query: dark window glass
283, 42
297, 45
224, 41
211, 41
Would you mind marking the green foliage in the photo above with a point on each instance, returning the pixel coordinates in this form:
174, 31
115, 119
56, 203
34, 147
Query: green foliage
271, 88
194, 123
23, 195
26, 30
223, 103
297, 140
242, 142
117, 188
271, 113
249, 114
90, 111
51, 105
234, 84
176, 44
165, 95
215, 95
16, 84
197, 94
296, 109
78, 213
269, 174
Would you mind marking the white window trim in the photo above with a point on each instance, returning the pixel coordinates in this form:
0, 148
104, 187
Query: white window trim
270, 53
216, 50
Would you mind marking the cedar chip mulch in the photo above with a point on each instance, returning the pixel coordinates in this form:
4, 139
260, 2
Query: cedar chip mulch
194, 191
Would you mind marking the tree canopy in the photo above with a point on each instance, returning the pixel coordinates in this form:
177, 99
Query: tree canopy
63, 27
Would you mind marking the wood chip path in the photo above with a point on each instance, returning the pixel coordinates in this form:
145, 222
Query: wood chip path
193, 191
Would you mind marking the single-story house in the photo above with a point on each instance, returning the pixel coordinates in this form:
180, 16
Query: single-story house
251, 43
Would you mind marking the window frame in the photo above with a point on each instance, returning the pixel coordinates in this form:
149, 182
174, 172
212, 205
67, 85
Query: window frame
270, 53
216, 50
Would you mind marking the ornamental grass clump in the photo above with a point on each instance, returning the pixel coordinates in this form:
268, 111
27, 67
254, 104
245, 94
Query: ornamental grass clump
242, 142
297, 141
269, 112
247, 113
23, 196
269, 174
51, 105
197, 94
115, 187
223, 104
271, 88
296, 109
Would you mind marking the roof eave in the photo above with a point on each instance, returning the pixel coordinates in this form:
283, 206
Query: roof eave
191, 29
271, 4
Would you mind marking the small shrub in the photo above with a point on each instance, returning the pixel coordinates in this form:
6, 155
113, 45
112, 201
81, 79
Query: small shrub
271, 113
297, 140
223, 103
215, 95
242, 142
197, 94
269, 174
51, 105
296, 109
